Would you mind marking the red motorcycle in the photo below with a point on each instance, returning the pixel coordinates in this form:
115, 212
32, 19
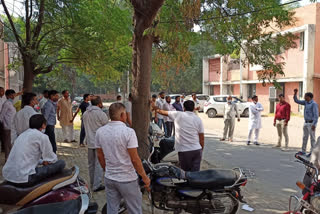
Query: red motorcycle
309, 203
64, 193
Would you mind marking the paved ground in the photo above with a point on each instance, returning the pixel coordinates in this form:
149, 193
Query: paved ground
276, 171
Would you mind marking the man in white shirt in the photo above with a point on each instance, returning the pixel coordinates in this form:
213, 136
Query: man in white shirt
255, 110
117, 152
159, 104
128, 106
230, 112
189, 136
6, 118
31, 148
22, 117
94, 118
196, 103
44, 99
167, 120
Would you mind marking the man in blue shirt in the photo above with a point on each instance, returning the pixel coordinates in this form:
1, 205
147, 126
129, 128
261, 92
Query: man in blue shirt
177, 104
49, 111
311, 115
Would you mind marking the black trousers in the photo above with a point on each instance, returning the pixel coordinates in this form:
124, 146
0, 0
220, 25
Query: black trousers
52, 137
82, 133
43, 173
169, 126
190, 161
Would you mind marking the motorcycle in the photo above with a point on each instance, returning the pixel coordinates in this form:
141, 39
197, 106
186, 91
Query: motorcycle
208, 191
65, 192
309, 203
164, 147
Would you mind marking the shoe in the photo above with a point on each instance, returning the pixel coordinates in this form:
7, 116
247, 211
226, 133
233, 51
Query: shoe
285, 149
73, 141
82, 145
248, 143
308, 155
256, 143
301, 153
277, 146
222, 139
66, 141
100, 188
230, 140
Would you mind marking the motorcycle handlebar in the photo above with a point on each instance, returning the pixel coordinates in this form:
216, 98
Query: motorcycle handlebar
304, 161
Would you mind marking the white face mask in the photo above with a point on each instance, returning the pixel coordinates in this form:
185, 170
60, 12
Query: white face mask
43, 131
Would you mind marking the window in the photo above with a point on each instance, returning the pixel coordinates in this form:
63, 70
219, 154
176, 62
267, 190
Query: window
220, 99
251, 90
301, 41
300, 89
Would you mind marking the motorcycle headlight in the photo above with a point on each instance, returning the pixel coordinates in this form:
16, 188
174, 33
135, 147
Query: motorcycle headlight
315, 201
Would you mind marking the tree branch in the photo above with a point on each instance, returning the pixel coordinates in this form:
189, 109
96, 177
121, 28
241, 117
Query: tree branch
39, 25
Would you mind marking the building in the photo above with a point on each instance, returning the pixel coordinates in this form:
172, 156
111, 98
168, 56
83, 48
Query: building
223, 75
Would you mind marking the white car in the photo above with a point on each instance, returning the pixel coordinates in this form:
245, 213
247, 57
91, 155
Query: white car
215, 106
173, 97
202, 100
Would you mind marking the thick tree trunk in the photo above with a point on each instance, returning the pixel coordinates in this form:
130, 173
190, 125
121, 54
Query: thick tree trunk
28, 76
141, 91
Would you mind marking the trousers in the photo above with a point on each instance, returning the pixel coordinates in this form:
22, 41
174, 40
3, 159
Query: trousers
95, 169
52, 137
228, 126
129, 191
256, 134
43, 173
161, 124
190, 161
68, 133
82, 133
169, 126
282, 130
5, 137
307, 131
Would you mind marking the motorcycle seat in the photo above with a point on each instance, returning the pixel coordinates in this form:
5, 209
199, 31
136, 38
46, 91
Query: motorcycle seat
11, 194
212, 178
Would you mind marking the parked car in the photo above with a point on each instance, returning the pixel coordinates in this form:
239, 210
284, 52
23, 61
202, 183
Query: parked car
76, 103
173, 97
214, 106
202, 100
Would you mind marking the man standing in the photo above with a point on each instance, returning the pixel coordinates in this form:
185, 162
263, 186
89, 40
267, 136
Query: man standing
167, 120
44, 99
177, 104
281, 119
159, 104
83, 107
117, 152
129, 110
2, 97
49, 111
93, 119
230, 112
196, 103
255, 110
6, 118
152, 104
30, 149
64, 113
22, 117
311, 115
189, 136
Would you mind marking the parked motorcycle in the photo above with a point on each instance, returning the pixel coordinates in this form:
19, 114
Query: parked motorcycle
208, 191
64, 193
309, 203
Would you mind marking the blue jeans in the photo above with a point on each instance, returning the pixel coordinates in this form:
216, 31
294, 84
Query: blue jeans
161, 124
82, 133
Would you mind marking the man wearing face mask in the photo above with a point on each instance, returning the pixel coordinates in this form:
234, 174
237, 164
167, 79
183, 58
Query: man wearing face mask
160, 104
255, 110
22, 117
30, 149
94, 118
6, 118
311, 115
230, 112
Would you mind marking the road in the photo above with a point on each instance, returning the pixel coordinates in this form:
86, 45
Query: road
275, 172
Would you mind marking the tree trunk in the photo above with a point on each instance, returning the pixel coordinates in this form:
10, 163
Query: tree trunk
141, 91
28, 77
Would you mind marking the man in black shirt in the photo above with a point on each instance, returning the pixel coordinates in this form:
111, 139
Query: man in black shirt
83, 107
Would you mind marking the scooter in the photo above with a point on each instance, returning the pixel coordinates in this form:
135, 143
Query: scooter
164, 151
309, 203
64, 193
208, 191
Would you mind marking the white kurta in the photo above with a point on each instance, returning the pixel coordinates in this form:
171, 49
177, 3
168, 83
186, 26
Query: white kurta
255, 116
